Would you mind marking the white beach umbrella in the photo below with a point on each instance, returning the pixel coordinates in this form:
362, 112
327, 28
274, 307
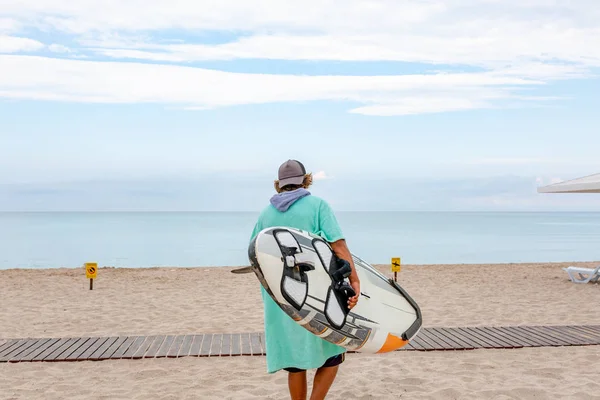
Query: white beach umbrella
586, 184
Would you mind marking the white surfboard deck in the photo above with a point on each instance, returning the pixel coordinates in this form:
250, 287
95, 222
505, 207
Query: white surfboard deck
385, 318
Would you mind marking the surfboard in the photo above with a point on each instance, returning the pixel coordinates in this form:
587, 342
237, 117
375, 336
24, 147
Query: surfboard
302, 274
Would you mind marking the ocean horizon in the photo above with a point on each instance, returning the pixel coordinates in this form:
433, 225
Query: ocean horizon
203, 239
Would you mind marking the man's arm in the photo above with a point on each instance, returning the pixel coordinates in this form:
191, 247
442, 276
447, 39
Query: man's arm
340, 248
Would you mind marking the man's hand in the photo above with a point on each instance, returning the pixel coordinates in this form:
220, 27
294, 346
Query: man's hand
355, 283
340, 248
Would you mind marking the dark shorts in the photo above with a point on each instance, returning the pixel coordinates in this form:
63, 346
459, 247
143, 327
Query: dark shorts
330, 362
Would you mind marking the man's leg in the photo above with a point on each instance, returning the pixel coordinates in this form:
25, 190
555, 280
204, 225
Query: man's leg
297, 385
323, 380
325, 376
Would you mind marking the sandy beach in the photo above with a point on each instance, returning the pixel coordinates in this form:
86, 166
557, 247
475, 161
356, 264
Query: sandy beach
58, 302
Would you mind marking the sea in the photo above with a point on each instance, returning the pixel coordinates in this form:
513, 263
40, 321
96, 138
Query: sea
201, 239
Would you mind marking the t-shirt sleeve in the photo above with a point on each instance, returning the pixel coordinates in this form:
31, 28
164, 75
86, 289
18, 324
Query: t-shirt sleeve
329, 228
256, 230
258, 226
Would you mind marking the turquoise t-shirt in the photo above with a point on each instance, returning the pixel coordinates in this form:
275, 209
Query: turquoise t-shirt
287, 343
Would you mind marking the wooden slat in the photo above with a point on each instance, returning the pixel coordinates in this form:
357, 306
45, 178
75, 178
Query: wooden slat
95, 356
206, 345
507, 338
455, 333
499, 338
14, 351
577, 336
135, 347
410, 346
78, 348
226, 345
584, 333
246, 348
60, 350
41, 356
155, 346
553, 337
488, 343
39, 350
456, 340
215, 348
432, 343
572, 336
236, 348
529, 339
92, 348
142, 349
525, 340
10, 343
419, 343
186, 346
165, 346
2, 341
580, 329
263, 343
255, 344
107, 354
474, 337
124, 347
439, 339
449, 340
592, 328
495, 341
558, 337
176, 346
31, 349
548, 336
19, 350
594, 333
7, 344
196, 346
13, 347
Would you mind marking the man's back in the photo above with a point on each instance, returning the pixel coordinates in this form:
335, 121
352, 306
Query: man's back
309, 213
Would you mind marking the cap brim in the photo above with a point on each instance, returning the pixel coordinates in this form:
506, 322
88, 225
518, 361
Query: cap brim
295, 180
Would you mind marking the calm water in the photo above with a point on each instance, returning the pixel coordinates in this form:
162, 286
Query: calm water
48, 240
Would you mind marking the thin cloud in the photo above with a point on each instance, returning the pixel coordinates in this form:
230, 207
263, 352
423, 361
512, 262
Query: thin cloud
42, 78
8, 25
492, 52
509, 161
321, 175
59, 48
13, 44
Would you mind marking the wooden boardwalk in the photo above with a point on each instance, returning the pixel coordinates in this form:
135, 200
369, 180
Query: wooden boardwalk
252, 344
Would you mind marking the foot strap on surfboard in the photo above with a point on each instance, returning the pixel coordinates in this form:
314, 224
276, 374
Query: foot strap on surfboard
294, 282
336, 304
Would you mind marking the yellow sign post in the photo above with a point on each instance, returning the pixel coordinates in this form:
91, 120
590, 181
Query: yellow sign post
91, 271
396, 267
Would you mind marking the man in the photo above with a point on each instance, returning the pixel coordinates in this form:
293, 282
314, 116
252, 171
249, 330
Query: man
288, 345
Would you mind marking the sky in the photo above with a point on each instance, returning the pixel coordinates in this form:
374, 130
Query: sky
187, 105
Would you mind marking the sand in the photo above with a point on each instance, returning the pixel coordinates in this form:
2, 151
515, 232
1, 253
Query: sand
58, 302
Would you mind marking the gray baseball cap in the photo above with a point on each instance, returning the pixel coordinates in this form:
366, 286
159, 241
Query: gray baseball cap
291, 172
